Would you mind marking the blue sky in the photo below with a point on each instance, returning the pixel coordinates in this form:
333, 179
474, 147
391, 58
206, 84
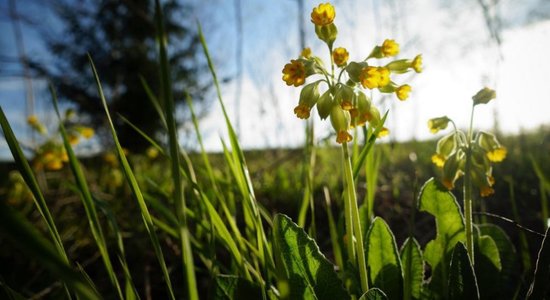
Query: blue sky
459, 55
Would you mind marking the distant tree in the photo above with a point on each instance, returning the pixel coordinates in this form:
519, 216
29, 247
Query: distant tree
120, 37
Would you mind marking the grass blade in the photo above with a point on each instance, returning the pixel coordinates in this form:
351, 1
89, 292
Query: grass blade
136, 191
32, 183
88, 202
169, 113
31, 241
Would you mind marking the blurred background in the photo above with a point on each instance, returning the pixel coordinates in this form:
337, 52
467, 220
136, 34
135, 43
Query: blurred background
465, 45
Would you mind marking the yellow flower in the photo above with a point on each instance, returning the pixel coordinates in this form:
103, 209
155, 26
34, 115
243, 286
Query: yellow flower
384, 74
294, 73
343, 137
111, 159
302, 111
390, 48
32, 120
403, 91
448, 183
497, 154
340, 56
369, 77
54, 165
486, 191
437, 124
152, 152
73, 139
87, 132
416, 64
374, 77
383, 132
306, 53
323, 14
438, 160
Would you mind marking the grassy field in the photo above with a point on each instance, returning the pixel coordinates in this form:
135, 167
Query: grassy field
277, 176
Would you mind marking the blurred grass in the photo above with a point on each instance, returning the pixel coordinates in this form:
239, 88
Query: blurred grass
278, 185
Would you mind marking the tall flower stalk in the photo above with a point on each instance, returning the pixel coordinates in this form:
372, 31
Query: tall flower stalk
459, 154
338, 94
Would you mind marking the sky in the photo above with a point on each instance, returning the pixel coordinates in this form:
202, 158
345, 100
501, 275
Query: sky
460, 57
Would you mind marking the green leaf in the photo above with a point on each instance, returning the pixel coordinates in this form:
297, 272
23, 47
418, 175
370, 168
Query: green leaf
462, 280
438, 201
413, 269
539, 288
233, 287
374, 294
308, 273
510, 273
487, 266
383, 259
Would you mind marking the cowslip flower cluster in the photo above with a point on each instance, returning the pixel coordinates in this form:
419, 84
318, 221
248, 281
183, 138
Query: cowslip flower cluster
341, 95
50, 155
452, 151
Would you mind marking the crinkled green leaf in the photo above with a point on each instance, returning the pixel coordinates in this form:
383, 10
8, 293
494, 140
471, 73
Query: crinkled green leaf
413, 269
462, 280
438, 201
510, 273
487, 266
309, 275
383, 259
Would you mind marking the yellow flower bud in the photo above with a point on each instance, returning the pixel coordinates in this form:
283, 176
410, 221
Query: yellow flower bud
497, 155
294, 73
32, 120
87, 132
416, 63
403, 91
306, 53
323, 14
73, 139
484, 96
390, 48
152, 152
438, 160
437, 124
309, 95
383, 132
340, 56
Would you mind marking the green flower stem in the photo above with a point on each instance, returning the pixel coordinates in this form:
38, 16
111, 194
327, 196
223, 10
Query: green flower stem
353, 213
468, 192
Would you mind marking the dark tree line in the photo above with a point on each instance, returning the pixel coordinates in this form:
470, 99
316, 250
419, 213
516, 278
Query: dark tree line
120, 36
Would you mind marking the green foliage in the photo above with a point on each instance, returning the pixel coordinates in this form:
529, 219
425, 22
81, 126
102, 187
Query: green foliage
233, 287
374, 294
383, 260
438, 201
487, 267
509, 274
305, 271
462, 280
413, 269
